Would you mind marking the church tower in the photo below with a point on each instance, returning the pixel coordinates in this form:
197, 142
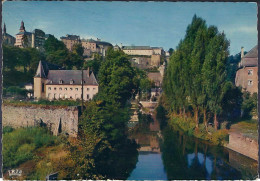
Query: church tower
22, 28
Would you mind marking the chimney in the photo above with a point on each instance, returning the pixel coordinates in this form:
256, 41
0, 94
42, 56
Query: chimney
242, 52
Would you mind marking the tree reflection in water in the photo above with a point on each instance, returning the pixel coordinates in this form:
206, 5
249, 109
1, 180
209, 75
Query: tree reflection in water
185, 157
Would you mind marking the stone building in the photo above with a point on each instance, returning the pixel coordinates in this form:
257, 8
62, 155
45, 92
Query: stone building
142, 50
247, 73
23, 38
33, 39
95, 46
51, 82
8, 39
70, 40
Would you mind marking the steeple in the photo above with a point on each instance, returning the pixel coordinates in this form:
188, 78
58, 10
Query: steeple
40, 71
4, 29
22, 28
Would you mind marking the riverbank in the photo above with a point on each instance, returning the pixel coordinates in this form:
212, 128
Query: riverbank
243, 138
188, 126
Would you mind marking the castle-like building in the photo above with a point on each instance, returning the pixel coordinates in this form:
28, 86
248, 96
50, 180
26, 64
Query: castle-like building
247, 73
52, 82
34, 39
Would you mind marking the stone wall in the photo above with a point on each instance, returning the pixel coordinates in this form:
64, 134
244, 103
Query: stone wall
243, 145
58, 120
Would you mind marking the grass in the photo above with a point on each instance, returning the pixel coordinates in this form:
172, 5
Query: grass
19, 145
247, 127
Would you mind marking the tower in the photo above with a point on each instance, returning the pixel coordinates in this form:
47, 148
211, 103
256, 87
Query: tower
39, 82
4, 29
22, 28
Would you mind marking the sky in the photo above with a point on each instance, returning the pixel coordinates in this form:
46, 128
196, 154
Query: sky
156, 24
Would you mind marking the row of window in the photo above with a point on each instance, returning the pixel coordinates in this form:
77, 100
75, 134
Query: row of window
61, 96
49, 88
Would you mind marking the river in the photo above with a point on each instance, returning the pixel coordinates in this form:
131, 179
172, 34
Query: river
171, 154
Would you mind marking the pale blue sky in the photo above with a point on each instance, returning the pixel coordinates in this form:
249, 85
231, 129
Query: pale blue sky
160, 24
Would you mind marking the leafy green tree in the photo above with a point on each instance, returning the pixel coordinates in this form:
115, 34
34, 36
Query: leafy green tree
94, 64
52, 44
170, 51
116, 78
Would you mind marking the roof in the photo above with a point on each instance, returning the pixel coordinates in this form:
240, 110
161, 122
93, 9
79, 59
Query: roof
139, 48
66, 76
136, 48
97, 42
70, 37
24, 33
8, 35
253, 53
44, 67
250, 59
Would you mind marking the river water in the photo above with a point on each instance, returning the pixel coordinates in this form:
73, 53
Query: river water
171, 154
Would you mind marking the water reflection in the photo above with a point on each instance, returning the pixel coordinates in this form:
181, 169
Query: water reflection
178, 156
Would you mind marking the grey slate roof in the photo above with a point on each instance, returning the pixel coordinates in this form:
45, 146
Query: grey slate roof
66, 76
54, 73
250, 59
44, 67
253, 53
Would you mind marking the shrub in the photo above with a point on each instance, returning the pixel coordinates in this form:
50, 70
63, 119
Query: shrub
220, 137
7, 129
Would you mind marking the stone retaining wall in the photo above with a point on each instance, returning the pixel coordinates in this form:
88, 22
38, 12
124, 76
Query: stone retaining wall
243, 145
56, 119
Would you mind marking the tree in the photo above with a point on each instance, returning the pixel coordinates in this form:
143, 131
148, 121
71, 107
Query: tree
116, 78
170, 51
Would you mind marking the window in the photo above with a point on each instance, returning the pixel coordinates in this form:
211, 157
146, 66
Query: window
65, 89
71, 97
60, 96
60, 81
49, 95
83, 82
94, 88
54, 88
71, 81
249, 82
250, 72
87, 96
77, 89
66, 96
42, 87
54, 96
49, 88
87, 89
60, 88
71, 89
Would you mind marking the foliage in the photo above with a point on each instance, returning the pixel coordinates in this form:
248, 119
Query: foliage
44, 102
20, 64
16, 91
170, 51
19, 145
249, 105
94, 64
117, 80
196, 74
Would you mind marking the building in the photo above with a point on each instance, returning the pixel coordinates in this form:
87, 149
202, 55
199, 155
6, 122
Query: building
95, 46
155, 60
51, 82
247, 73
38, 39
8, 39
142, 50
156, 77
33, 39
70, 41
23, 38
